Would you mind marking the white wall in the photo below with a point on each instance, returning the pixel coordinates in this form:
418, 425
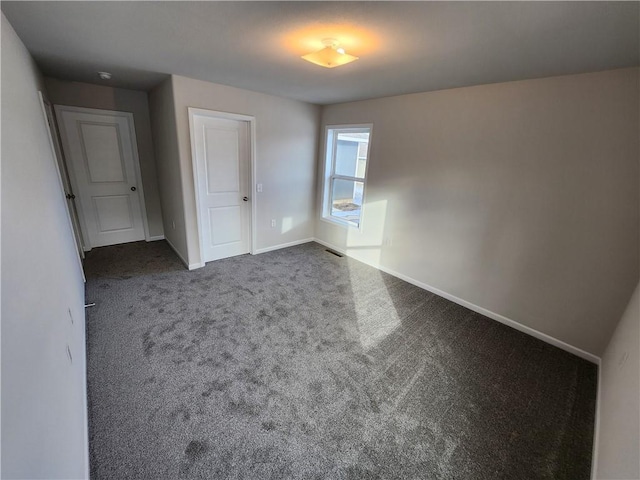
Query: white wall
165, 138
44, 422
286, 146
618, 443
520, 198
86, 95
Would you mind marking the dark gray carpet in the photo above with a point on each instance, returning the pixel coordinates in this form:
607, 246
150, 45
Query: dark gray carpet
299, 364
131, 259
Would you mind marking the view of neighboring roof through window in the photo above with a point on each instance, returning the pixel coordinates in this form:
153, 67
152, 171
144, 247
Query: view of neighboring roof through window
347, 150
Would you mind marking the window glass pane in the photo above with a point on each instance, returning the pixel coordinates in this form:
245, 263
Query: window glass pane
346, 200
351, 153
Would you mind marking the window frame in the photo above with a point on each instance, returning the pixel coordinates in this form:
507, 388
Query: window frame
329, 176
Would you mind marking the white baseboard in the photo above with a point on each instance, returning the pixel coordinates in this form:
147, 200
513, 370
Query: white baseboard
156, 238
190, 266
483, 311
283, 245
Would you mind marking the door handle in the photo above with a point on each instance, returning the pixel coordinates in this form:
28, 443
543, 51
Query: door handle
133, 189
70, 196
245, 199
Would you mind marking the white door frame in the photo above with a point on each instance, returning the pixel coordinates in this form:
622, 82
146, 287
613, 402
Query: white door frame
252, 174
136, 163
54, 151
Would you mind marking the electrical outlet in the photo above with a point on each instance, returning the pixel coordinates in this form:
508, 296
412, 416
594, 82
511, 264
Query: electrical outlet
388, 242
259, 188
273, 223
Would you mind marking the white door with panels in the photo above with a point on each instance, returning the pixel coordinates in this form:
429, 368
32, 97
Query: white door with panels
62, 172
101, 152
221, 154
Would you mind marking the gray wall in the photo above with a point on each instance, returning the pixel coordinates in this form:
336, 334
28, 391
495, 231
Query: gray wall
286, 146
521, 198
619, 408
163, 126
44, 422
87, 95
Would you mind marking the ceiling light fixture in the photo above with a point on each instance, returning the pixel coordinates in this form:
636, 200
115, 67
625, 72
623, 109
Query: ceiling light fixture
104, 75
330, 56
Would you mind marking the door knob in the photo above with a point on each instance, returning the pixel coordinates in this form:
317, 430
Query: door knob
133, 189
246, 199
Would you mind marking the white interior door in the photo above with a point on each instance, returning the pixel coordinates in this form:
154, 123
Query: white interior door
62, 172
100, 148
221, 149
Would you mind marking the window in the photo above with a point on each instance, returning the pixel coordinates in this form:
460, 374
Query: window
347, 154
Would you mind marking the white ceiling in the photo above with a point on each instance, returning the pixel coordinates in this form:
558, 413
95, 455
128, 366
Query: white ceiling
403, 47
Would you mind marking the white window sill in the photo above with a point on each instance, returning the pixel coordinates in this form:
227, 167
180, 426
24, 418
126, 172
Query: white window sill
340, 222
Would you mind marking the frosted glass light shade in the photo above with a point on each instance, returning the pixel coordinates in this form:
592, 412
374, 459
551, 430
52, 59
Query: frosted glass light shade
329, 57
